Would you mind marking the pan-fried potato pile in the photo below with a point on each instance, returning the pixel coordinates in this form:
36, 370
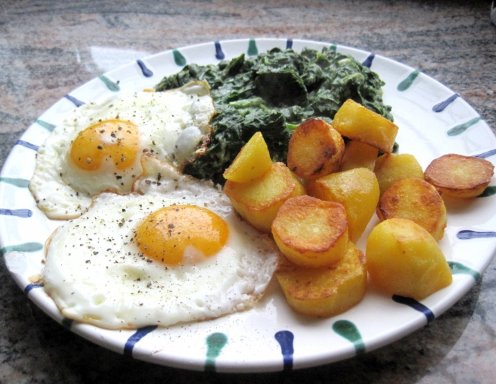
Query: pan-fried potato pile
319, 205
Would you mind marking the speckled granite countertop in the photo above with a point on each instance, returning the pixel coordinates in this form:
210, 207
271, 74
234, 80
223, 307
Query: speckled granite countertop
47, 48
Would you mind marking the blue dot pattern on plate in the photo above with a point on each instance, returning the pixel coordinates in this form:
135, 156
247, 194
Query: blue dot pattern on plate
350, 332
369, 60
467, 234
219, 53
215, 342
135, 337
285, 340
111, 85
74, 100
486, 154
27, 144
439, 107
23, 213
48, 126
147, 72
418, 306
459, 268
28, 288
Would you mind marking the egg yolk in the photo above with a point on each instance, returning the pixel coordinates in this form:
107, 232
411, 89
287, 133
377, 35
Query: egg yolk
108, 140
172, 234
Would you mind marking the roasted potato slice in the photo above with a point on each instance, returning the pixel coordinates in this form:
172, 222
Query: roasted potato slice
417, 200
359, 155
311, 232
357, 122
252, 161
459, 176
404, 259
259, 200
391, 167
357, 189
328, 291
315, 149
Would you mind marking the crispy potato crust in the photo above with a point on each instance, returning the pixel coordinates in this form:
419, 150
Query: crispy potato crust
357, 122
459, 176
259, 200
315, 149
311, 232
359, 155
357, 189
327, 291
391, 167
404, 259
252, 161
417, 200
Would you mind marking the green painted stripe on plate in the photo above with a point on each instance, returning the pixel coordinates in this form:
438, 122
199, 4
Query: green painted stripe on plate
23, 247
252, 48
408, 81
111, 85
459, 268
460, 128
215, 343
21, 183
179, 59
350, 332
48, 126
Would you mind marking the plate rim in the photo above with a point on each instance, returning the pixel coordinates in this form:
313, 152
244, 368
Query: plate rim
266, 366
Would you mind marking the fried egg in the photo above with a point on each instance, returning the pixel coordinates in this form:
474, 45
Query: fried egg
99, 146
177, 253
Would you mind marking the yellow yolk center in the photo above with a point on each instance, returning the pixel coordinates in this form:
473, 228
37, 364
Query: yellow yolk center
176, 234
113, 140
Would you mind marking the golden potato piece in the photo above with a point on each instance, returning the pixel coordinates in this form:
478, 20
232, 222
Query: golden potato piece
404, 259
357, 122
252, 161
259, 200
359, 155
311, 232
315, 149
417, 200
459, 176
328, 291
357, 189
391, 167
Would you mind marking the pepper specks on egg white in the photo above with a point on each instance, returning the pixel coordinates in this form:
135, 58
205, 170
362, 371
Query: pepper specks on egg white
98, 272
99, 146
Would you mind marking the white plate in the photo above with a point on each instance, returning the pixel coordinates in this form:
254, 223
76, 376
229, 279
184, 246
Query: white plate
433, 120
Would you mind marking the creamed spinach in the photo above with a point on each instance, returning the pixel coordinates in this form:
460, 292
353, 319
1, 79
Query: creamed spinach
272, 93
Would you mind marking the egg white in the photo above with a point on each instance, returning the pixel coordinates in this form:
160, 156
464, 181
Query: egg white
171, 125
95, 273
